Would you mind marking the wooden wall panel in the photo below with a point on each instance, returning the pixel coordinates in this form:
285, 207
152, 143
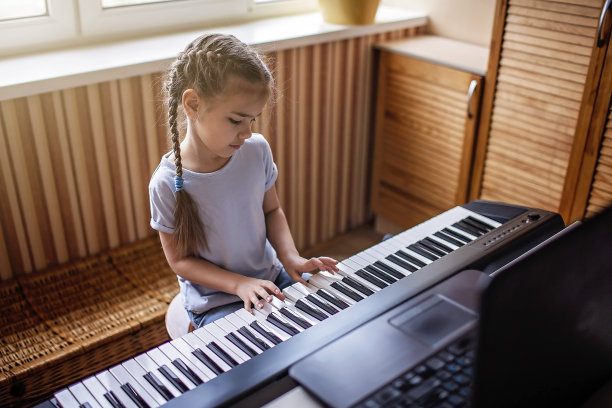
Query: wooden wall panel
75, 164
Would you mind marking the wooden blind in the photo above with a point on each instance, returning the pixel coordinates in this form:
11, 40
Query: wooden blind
530, 121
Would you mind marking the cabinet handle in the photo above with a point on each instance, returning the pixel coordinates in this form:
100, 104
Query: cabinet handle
604, 11
471, 90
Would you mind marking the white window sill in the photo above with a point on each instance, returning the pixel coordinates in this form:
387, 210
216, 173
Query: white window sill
46, 72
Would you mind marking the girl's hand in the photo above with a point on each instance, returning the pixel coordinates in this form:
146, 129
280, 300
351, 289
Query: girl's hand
255, 291
298, 265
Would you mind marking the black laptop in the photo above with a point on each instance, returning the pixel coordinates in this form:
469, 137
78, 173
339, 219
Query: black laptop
537, 333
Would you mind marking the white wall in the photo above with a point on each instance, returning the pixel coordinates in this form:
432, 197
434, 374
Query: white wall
465, 20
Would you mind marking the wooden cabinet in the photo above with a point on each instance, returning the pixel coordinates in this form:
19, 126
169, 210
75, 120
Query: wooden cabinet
428, 99
545, 136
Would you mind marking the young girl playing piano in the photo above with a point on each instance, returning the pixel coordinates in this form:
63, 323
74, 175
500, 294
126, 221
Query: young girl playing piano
213, 196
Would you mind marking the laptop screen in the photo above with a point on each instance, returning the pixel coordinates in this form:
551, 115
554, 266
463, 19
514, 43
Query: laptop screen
545, 331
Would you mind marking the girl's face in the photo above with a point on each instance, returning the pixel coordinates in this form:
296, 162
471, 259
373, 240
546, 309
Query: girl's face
220, 126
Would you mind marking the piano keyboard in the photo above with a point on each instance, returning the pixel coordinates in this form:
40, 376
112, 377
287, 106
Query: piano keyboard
174, 368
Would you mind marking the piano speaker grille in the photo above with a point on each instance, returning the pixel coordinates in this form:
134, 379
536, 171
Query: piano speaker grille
75, 163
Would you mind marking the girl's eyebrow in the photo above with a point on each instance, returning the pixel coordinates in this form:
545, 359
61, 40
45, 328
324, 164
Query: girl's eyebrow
246, 115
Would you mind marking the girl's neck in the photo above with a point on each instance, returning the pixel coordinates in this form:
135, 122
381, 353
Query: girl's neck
197, 158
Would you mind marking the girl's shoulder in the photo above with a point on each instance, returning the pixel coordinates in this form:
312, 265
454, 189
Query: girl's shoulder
163, 174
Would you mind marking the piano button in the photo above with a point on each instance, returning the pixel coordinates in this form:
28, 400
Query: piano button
66, 399
243, 346
346, 291
215, 343
399, 261
432, 248
389, 279
449, 239
438, 245
456, 234
153, 376
389, 270
361, 280
83, 396
174, 379
293, 294
329, 296
207, 361
362, 273
197, 343
294, 318
135, 391
114, 394
304, 288
415, 248
138, 373
407, 255
486, 226
282, 324
322, 304
186, 351
158, 385
162, 360
227, 345
356, 286
467, 229
253, 338
97, 390
86, 404
322, 283
355, 262
193, 374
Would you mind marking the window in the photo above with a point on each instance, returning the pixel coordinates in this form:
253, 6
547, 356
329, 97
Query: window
36, 25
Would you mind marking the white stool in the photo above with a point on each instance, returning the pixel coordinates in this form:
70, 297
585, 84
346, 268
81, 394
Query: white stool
177, 319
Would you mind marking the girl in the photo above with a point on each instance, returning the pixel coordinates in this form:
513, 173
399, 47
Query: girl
213, 198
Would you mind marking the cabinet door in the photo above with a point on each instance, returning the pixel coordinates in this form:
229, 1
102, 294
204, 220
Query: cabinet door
543, 80
425, 126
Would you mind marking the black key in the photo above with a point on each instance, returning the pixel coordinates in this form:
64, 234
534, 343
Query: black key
381, 275
321, 304
422, 252
386, 268
357, 286
295, 319
438, 245
448, 238
207, 361
426, 249
187, 372
474, 223
134, 396
467, 228
85, 405
237, 341
432, 248
287, 328
370, 278
332, 299
158, 385
399, 262
346, 291
311, 311
273, 338
214, 347
482, 224
408, 258
457, 235
389, 271
262, 345
174, 380
114, 401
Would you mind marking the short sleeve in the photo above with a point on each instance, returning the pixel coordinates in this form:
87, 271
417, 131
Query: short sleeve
162, 201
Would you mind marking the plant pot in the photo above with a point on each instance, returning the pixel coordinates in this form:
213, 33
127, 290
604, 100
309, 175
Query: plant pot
349, 12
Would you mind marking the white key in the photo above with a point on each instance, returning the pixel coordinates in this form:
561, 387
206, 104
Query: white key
290, 306
112, 385
124, 377
138, 373
261, 319
320, 282
66, 399
96, 389
186, 350
161, 360
293, 294
172, 353
82, 395
238, 323
149, 365
197, 343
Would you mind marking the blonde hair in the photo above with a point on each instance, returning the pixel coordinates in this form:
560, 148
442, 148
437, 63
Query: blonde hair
204, 65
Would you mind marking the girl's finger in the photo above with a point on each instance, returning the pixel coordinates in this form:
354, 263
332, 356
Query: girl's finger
247, 306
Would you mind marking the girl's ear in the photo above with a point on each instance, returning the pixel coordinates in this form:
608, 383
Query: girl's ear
191, 103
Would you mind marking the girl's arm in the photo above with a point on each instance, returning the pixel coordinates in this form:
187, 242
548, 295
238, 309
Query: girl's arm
280, 237
200, 271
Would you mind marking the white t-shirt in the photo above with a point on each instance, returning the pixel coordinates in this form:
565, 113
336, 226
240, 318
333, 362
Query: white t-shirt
230, 204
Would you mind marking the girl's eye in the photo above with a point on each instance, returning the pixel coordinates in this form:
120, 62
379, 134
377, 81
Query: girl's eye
234, 122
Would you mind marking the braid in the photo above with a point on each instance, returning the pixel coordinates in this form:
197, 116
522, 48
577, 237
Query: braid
204, 66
